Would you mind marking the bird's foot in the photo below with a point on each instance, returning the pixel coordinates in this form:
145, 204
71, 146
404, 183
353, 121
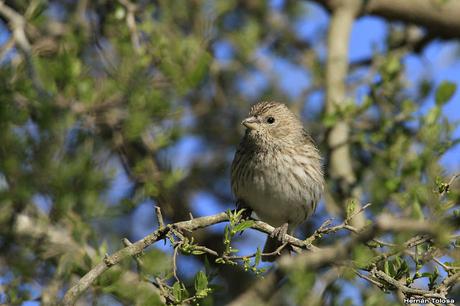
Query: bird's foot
247, 211
246, 215
280, 233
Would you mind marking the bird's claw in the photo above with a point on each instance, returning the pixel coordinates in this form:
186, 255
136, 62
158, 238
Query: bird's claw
247, 211
246, 215
280, 233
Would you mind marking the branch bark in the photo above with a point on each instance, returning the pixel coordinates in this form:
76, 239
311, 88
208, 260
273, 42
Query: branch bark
136, 248
439, 17
340, 252
73, 293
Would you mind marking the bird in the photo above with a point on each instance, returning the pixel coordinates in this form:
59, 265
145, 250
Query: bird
277, 171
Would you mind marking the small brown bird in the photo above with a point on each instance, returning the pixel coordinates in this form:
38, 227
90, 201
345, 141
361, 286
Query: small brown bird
276, 170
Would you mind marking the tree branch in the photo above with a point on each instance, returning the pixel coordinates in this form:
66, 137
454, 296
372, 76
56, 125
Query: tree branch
341, 169
440, 17
73, 293
18, 24
341, 251
407, 291
136, 248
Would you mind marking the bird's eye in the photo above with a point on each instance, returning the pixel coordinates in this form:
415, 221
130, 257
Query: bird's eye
270, 120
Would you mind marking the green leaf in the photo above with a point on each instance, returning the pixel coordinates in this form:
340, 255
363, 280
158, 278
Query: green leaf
197, 252
201, 285
243, 225
433, 115
350, 209
177, 291
444, 92
227, 234
201, 281
220, 260
403, 270
234, 250
257, 258
393, 65
433, 277
386, 267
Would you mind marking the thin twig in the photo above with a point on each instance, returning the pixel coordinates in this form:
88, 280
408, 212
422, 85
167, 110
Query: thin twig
404, 289
384, 243
175, 262
275, 252
159, 216
369, 279
444, 266
205, 249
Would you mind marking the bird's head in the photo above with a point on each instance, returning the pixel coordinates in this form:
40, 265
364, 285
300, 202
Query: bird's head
272, 121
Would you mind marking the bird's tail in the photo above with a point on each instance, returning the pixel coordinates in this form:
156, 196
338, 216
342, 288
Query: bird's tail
271, 245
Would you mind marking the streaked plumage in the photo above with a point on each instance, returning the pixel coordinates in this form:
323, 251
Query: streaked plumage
277, 168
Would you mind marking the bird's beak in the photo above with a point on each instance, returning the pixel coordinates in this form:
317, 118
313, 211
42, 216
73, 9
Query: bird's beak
250, 122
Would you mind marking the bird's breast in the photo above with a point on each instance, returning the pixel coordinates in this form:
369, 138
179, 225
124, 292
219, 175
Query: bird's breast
279, 188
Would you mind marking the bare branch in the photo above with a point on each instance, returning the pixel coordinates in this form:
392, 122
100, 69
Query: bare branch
159, 216
440, 17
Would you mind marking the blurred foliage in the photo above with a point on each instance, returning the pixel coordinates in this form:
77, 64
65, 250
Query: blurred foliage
97, 99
